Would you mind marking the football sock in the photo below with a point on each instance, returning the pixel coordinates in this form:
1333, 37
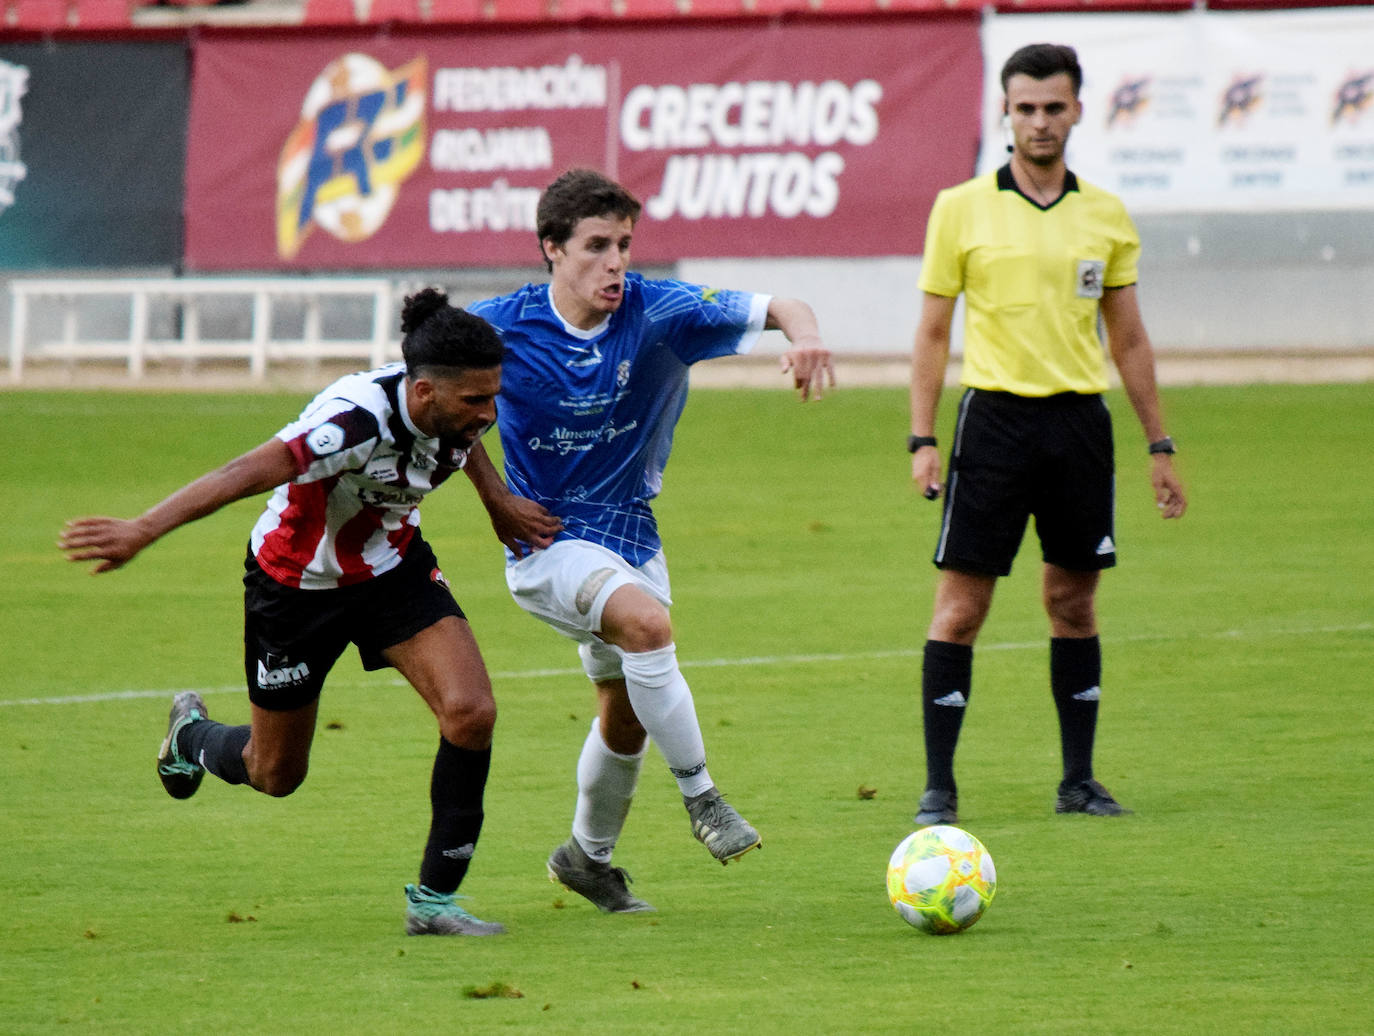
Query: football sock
216, 746
663, 702
455, 794
1075, 680
606, 783
946, 683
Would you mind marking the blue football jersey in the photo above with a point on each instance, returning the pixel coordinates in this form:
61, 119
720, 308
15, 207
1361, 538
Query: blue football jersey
586, 418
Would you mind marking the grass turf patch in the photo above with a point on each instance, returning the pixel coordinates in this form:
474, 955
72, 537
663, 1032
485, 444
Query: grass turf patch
1237, 648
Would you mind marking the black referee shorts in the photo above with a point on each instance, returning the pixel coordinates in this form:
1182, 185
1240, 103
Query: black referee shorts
293, 637
1015, 457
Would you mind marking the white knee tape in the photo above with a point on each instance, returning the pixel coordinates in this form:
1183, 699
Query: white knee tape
652, 670
600, 661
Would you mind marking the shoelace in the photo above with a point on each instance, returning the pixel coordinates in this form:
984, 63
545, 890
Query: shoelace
715, 815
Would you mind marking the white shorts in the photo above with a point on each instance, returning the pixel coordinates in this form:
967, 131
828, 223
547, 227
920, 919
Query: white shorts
568, 584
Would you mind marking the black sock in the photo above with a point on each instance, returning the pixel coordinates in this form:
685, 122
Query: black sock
455, 794
217, 747
946, 683
1075, 680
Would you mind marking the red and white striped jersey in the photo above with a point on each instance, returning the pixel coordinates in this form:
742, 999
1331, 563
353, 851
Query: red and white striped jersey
364, 468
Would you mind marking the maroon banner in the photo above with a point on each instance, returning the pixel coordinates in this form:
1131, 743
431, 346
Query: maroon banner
430, 149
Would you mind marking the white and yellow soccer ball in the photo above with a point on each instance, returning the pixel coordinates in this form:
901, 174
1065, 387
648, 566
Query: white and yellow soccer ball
941, 879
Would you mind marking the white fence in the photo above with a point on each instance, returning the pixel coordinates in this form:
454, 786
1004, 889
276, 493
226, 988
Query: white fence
33, 340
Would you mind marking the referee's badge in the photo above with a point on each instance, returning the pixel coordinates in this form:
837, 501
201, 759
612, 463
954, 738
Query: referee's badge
1090, 275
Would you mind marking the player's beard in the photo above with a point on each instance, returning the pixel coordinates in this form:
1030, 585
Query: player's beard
467, 436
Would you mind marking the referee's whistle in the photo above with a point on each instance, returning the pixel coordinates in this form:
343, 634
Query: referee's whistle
932, 492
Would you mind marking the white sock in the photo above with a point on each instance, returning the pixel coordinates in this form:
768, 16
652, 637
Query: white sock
663, 702
605, 786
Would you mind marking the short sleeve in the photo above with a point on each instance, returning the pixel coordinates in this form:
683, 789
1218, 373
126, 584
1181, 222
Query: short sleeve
942, 270
333, 436
702, 322
1122, 267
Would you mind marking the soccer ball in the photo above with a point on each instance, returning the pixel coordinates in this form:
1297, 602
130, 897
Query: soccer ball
941, 879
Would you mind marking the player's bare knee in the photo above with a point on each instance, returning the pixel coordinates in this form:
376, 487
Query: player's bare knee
1072, 612
645, 630
469, 722
279, 779
957, 623
962, 603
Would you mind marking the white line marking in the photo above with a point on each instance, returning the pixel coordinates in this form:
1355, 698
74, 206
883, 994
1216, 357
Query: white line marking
726, 663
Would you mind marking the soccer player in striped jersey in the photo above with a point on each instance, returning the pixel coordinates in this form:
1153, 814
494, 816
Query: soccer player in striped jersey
593, 383
337, 557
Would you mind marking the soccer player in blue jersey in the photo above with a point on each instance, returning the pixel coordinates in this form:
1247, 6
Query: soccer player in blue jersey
593, 383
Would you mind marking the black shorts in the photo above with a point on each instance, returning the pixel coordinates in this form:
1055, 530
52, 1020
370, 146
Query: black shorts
1015, 457
293, 637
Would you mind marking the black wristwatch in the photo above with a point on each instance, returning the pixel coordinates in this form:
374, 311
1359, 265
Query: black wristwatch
915, 442
1164, 445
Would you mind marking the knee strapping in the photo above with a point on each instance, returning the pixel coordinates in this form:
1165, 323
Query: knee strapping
652, 670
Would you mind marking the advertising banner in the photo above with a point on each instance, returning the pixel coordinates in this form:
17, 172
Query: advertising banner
1211, 111
92, 152
430, 149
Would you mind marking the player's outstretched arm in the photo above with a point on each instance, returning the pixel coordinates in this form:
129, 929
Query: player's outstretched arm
1135, 361
518, 522
808, 359
114, 542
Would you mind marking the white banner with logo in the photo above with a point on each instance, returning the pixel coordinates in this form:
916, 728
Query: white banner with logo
1209, 110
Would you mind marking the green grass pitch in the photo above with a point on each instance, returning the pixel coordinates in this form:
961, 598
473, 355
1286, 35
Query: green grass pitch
1239, 648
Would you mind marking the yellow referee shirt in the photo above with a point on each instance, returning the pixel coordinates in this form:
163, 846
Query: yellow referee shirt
1031, 280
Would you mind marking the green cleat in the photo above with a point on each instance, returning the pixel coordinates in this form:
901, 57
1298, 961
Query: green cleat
180, 776
437, 913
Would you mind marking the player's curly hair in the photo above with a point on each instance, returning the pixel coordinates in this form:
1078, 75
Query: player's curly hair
576, 195
440, 335
1042, 60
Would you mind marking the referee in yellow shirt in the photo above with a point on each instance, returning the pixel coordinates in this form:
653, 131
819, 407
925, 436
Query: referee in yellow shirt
1037, 254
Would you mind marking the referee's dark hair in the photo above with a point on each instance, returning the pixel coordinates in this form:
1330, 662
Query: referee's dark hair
1042, 60
439, 335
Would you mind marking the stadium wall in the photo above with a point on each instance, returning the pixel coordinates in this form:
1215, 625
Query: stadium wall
1246, 246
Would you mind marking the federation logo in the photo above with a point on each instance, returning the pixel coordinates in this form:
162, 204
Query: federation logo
14, 84
1241, 98
361, 135
1353, 97
1128, 100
